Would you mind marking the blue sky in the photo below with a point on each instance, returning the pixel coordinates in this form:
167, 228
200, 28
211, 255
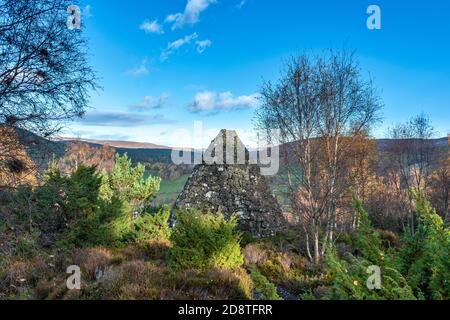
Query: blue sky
165, 64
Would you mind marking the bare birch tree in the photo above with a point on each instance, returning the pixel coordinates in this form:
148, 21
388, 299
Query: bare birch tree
318, 102
412, 152
45, 77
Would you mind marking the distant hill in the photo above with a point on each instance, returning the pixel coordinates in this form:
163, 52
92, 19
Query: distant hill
41, 149
137, 151
439, 143
119, 144
153, 153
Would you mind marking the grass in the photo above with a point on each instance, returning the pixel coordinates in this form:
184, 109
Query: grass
170, 190
135, 272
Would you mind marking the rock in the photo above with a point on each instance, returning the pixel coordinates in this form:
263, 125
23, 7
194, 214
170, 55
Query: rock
236, 188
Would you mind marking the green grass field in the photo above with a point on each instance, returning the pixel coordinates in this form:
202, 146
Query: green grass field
170, 190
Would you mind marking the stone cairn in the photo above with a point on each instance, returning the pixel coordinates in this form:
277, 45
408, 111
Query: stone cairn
227, 182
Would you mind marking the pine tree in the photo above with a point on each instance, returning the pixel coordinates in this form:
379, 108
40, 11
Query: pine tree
425, 257
134, 190
350, 275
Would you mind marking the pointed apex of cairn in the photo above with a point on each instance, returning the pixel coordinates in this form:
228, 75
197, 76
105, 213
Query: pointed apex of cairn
226, 148
226, 131
225, 136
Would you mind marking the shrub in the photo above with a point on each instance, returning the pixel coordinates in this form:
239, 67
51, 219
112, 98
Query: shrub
254, 254
89, 208
425, 256
389, 239
91, 260
204, 241
349, 280
150, 226
264, 287
61, 201
19, 277
95, 225
153, 250
13, 277
286, 269
349, 276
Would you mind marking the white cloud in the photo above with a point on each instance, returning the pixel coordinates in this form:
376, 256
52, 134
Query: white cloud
173, 17
241, 4
191, 13
142, 70
181, 42
202, 45
150, 103
122, 119
172, 47
212, 102
175, 45
152, 27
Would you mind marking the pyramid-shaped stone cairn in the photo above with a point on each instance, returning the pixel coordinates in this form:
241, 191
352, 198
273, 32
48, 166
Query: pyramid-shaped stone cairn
227, 182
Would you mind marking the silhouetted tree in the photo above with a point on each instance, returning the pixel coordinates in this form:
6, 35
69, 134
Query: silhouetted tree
45, 78
44, 73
